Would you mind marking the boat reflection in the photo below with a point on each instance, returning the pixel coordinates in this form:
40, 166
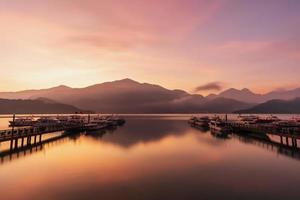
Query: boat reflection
145, 131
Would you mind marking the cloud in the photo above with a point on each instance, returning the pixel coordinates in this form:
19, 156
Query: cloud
215, 86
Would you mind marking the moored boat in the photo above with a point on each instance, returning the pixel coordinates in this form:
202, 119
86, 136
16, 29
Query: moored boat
219, 127
95, 126
267, 120
200, 121
248, 119
24, 121
287, 124
46, 122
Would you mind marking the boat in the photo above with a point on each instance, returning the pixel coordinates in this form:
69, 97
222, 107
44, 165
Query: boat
248, 119
218, 127
76, 120
24, 121
113, 120
267, 120
46, 122
200, 121
95, 126
63, 119
287, 124
120, 121
98, 119
297, 119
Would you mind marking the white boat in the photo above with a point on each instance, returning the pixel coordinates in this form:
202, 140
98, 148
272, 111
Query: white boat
287, 124
112, 120
95, 126
219, 127
248, 119
77, 119
267, 120
24, 121
62, 119
46, 122
200, 121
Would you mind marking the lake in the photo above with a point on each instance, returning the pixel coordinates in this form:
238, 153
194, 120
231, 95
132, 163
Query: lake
151, 157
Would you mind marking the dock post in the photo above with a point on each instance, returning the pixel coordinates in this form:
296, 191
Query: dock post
29, 140
35, 139
17, 139
40, 138
22, 142
11, 145
16, 143
293, 142
281, 141
12, 131
287, 141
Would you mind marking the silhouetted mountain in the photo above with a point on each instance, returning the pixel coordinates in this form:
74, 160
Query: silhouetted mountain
276, 107
41, 106
245, 95
223, 105
283, 94
33, 94
128, 96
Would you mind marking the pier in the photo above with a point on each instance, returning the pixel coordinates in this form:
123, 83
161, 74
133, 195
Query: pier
28, 149
32, 135
287, 130
288, 135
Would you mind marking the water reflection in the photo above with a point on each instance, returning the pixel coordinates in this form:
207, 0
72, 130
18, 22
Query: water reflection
145, 131
7, 154
151, 159
266, 142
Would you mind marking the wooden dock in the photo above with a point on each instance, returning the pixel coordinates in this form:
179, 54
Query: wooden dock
287, 134
27, 140
33, 134
28, 149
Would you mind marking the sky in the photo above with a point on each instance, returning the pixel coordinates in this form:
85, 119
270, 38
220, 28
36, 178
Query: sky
184, 44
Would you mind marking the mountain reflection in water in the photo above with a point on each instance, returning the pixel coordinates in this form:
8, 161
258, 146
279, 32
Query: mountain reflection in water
151, 158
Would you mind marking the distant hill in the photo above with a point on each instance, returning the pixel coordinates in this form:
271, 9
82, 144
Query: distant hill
276, 107
129, 96
223, 105
245, 95
40, 106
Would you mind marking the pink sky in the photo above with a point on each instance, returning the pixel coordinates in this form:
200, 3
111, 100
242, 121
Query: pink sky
174, 43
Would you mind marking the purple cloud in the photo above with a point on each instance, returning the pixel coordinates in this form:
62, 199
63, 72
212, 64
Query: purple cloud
212, 86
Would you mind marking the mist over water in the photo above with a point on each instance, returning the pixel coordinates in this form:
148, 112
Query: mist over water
151, 157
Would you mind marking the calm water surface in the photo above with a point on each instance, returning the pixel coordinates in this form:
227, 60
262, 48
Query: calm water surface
150, 158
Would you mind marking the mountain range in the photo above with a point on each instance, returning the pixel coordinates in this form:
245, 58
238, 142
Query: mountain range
129, 96
245, 95
38, 106
275, 106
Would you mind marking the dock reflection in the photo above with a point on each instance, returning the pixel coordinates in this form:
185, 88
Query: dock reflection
8, 155
280, 145
266, 142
